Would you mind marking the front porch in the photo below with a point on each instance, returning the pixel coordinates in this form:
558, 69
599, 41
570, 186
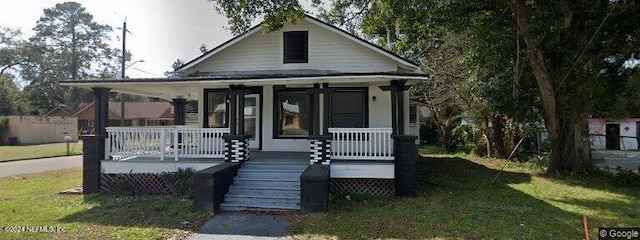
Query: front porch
354, 152
282, 145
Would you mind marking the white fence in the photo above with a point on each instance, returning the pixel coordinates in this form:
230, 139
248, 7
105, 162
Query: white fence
163, 142
362, 143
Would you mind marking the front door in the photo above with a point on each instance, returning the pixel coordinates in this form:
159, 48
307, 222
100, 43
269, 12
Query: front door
252, 119
613, 136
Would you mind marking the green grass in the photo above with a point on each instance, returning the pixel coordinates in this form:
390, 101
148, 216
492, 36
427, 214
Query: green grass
8, 153
33, 200
461, 151
456, 200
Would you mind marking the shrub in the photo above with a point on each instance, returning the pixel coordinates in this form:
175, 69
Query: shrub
626, 178
429, 132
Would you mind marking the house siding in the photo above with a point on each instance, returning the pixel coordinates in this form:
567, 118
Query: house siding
628, 132
327, 51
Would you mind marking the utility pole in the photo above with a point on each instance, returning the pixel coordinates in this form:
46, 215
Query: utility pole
124, 59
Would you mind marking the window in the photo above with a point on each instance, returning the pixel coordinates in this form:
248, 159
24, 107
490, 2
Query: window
216, 109
349, 108
296, 47
292, 116
413, 114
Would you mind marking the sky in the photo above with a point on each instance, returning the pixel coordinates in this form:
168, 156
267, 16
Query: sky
161, 30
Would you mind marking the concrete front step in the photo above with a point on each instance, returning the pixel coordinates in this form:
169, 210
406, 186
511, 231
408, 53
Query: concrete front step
252, 191
268, 183
262, 166
269, 188
256, 200
290, 175
265, 186
259, 207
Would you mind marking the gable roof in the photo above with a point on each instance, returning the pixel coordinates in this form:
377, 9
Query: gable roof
310, 19
66, 110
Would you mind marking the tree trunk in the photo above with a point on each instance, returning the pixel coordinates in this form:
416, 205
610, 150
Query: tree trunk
497, 136
445, 136
568, 151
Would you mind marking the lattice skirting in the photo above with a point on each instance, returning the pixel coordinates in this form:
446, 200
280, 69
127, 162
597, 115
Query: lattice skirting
372, 186
178, 183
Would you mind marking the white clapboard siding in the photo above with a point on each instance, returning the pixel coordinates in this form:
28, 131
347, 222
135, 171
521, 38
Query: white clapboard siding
327, 51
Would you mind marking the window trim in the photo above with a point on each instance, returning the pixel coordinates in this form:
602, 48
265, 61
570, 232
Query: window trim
365, 97
276, 123
205, 115
284, 47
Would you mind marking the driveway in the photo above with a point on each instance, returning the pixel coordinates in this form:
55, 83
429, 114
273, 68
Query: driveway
39, 165
612, 159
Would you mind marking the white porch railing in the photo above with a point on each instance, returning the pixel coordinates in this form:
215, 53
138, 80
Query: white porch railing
164, 142
362, 143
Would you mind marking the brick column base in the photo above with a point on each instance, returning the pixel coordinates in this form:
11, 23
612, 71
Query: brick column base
314, 188
236, 148
320, 150
92, 154
405, 152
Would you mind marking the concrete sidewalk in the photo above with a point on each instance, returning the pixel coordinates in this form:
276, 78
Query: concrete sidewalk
13, 168
242, 225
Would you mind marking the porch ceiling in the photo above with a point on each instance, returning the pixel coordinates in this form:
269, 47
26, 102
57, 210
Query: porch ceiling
189, 87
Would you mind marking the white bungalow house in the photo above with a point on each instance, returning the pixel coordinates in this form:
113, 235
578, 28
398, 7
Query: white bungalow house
307, 94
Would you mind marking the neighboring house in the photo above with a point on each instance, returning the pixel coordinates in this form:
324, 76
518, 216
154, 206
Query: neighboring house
418, 111
614, 134
64, 110
136, 114
307, 95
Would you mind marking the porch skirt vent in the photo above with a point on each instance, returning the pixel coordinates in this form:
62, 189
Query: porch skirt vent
371, 186
178, 183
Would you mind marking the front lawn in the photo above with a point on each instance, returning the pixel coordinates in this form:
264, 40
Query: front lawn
456, 200
33, 201
39, 150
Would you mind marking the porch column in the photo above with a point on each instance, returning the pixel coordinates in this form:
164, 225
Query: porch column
232, 113
315, 109
179, 111
405, 153
101, 105
400, 113
326, 97
394, 109
93, 150
240, 113
397, 105
237, 143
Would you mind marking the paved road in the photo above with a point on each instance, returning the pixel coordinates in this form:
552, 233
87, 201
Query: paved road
38, 165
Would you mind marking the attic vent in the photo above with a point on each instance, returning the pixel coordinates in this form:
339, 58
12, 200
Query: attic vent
296, 47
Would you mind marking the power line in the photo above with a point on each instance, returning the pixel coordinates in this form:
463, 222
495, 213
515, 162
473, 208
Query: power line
147, 72
587, 46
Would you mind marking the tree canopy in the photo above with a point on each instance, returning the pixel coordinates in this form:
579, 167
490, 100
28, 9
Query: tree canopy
68, 44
